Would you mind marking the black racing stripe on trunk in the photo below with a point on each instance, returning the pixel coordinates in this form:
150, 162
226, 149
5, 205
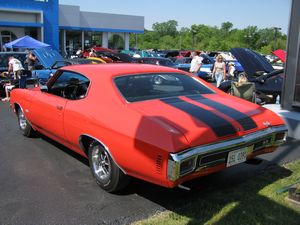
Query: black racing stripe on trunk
219, 125
244, 120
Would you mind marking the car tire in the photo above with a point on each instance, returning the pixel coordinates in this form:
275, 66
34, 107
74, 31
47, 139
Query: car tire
24, 125
107, 174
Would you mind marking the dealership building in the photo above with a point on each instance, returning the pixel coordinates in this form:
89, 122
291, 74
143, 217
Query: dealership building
65, 27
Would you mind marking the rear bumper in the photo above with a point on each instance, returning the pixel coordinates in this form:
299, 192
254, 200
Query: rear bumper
192, 161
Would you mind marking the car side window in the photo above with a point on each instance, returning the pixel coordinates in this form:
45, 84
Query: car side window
70, 85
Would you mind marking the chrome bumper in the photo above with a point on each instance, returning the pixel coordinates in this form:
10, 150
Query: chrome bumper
192, 157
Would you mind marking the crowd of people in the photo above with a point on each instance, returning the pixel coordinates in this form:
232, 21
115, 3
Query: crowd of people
219, 73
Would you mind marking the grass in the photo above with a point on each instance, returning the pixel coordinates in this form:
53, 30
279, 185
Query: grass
257, 200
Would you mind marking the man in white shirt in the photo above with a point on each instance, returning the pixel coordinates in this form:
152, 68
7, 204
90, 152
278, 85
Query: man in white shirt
15, 66
196, 63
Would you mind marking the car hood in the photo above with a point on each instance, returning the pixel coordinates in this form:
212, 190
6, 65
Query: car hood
204, 119
47, 56
251, 61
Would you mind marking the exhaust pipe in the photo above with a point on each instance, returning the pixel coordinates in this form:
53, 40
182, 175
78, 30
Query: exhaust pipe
184, 187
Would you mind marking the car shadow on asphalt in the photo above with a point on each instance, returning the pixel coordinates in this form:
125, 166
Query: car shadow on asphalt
66, 150
212, 195
209, 195
236, 190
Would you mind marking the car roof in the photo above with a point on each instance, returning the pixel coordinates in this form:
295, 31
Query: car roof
110, 70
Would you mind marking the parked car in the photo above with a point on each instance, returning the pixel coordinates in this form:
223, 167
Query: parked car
155, 61
127, 126
44, 75
183, 63
268, 81
205, 72
115, 57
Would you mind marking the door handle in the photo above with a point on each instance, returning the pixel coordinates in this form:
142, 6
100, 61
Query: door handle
59, 107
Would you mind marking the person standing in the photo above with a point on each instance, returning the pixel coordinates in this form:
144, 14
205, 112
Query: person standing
92, 53
231, 70
15, 66
31, 61
219, 71
196, 63
79, 53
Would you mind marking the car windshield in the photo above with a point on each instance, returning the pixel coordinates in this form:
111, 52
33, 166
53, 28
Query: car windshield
158, 85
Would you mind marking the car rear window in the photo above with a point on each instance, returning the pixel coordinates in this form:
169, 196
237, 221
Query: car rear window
158, 85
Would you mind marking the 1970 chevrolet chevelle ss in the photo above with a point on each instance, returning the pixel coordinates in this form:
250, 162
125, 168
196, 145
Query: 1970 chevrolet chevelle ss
128, 125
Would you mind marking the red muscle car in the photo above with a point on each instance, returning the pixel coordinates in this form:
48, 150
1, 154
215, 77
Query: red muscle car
128, 125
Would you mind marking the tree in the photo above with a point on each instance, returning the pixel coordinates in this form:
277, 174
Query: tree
209, 38
226, 27
166, 28
251, 36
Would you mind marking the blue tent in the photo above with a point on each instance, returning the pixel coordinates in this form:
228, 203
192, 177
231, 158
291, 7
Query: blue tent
26, 42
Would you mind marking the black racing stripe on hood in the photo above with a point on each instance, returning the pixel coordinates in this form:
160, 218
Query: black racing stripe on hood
219, 125
243, 119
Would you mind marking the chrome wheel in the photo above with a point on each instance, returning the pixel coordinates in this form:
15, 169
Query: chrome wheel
101, 163
22, 120
107, 174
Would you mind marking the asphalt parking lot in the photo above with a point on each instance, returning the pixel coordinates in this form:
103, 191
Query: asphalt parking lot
42, 182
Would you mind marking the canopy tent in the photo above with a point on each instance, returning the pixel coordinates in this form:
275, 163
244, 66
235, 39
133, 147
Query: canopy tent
26, 42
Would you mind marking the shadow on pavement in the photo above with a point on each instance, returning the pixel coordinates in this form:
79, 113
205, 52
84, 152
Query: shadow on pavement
210, 195
216, 193
64, 149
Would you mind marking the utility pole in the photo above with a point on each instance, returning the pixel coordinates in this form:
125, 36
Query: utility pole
136, 41
194, 32
276, 29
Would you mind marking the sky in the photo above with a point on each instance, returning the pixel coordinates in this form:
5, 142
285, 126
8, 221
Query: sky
242, 13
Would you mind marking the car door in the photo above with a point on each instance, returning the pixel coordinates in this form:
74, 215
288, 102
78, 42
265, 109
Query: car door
48, 107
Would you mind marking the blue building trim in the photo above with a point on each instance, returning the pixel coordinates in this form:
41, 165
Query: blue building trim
50, 16
19, 24
101, 29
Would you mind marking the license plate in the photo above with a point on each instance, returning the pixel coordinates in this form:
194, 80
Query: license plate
237, 156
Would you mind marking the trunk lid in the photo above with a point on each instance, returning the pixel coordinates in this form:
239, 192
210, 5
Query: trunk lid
204, 119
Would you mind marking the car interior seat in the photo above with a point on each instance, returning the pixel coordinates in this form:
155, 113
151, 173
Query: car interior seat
139, 87
245, 91
70, 89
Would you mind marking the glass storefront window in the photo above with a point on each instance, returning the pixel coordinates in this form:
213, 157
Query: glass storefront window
32, 32
73, 41
6, 36
92, 39
116, 41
